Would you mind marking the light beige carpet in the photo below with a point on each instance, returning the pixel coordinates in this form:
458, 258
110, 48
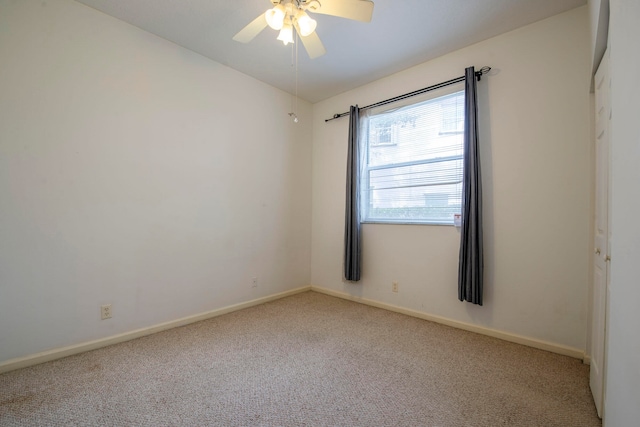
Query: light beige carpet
305, 360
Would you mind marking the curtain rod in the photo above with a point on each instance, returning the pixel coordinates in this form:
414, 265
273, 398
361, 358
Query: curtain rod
479, 73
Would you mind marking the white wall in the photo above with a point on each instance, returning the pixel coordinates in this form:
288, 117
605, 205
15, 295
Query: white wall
137, 173
534, 118
622, 392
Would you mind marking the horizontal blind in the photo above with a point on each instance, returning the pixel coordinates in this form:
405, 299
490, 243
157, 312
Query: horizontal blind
413, 160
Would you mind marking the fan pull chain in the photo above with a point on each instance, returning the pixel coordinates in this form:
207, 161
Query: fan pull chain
294, 60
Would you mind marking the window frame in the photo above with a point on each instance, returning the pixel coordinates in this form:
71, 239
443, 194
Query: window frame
365, 169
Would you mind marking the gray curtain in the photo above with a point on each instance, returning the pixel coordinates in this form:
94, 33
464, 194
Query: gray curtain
352, 241
471, 263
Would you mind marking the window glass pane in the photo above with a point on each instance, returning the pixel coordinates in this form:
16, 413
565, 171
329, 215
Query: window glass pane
414, 161
438, 204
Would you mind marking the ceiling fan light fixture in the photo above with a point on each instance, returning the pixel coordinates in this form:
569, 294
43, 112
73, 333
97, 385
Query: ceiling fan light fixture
275, 17
286, 33
306, 24
285, 16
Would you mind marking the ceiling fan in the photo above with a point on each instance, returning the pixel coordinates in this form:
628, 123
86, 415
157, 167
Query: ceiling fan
289, 14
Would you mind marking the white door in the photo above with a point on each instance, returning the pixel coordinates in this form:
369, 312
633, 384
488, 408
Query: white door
601, 243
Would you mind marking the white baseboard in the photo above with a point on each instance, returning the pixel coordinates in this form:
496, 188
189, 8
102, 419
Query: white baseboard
506, 336
58, 353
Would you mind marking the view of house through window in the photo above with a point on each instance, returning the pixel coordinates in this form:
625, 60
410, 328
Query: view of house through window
412, 155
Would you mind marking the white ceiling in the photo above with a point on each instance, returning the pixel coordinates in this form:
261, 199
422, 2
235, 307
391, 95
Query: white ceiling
401, 34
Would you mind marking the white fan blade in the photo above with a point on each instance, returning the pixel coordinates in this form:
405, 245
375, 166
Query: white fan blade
358, 10
253, 29
312, 44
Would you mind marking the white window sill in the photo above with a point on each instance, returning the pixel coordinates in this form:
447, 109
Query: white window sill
406, 222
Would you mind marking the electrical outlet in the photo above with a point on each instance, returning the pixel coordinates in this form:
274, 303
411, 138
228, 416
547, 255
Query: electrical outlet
394, 286
254, 282
105, 311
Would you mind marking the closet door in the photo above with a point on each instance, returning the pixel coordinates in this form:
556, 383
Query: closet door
600, 290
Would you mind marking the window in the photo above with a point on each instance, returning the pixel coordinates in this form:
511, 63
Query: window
382, 135
452, 114
411, 169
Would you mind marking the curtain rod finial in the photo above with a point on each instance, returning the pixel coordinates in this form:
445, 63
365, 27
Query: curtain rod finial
483, 70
